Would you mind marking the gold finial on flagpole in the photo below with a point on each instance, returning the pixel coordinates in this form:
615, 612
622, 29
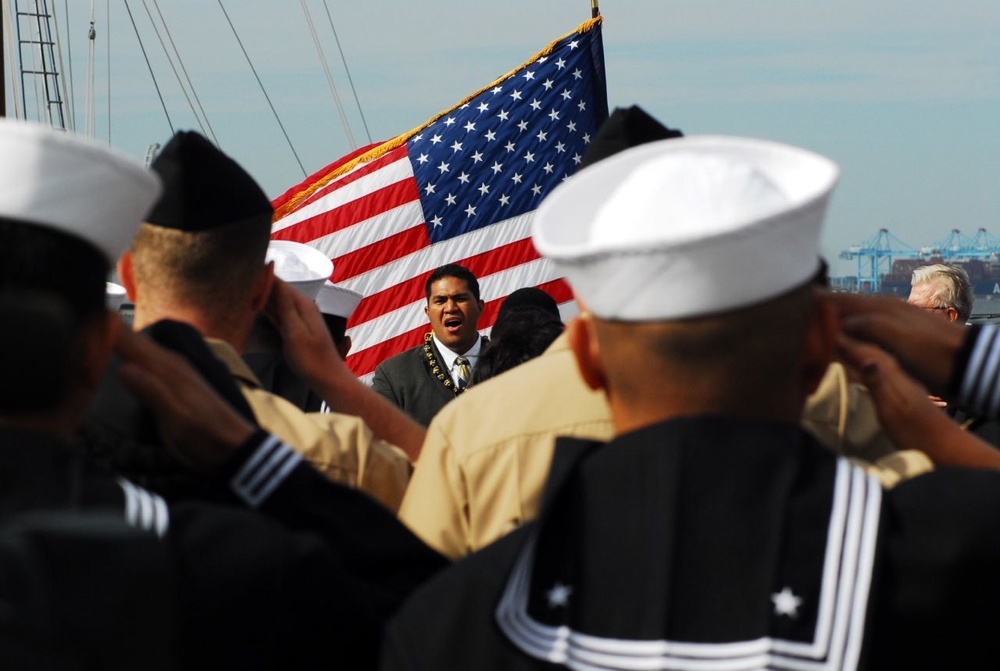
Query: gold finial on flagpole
595, 11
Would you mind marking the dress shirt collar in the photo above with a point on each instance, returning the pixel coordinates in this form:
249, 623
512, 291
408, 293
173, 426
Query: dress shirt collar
448, 357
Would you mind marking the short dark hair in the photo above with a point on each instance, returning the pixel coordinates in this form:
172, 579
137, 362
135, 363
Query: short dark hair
453, 270
208, 268
41, 259
527, 298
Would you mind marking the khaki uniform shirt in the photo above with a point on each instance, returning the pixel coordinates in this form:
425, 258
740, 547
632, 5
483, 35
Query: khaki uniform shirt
487, 454
340, 446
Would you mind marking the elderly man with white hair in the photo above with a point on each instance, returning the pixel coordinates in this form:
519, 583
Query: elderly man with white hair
943, 288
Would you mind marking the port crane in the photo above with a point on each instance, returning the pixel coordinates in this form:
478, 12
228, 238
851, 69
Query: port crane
875, 255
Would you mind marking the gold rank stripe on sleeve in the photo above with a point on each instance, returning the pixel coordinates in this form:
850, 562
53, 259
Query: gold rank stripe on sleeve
145, 510
847, 573
264, 471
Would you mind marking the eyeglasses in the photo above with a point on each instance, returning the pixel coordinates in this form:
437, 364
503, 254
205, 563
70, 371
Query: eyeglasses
930, 307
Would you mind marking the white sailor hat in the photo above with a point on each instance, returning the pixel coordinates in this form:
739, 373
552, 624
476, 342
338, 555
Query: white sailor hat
304, 267
114, 295
73, 184
337, 301
687, 227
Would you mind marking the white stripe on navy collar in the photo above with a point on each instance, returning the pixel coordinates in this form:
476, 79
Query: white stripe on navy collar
145, 510
847, 572
264, 471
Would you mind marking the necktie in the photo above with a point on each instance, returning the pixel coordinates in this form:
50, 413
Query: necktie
464, 372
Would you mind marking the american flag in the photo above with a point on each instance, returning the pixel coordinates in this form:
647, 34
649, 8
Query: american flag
459, 189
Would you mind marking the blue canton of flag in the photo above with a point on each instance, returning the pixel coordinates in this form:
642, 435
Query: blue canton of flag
497, 155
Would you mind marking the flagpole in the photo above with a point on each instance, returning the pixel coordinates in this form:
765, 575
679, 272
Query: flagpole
595, 11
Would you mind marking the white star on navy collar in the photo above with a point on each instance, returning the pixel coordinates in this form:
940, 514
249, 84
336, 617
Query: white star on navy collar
559, 595
786, 603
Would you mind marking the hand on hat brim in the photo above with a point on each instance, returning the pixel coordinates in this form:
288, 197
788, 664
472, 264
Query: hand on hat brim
307, 345
900, 400
924, 344
909, 416
309, 350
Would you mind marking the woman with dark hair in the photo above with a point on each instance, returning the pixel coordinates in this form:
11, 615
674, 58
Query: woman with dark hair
526, 325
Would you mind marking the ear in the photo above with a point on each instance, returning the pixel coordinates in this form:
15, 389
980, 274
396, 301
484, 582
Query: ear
952, 314
821, 341
98, 339
583, 341
262, 290
126, 274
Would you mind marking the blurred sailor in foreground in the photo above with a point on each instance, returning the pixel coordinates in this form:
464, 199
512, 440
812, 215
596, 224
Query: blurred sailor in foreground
712, 531
293, 570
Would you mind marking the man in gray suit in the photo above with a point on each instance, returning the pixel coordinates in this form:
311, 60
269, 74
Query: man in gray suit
421, 380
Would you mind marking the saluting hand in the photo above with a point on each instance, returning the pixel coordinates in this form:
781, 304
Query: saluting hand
908, 415
924, 344
307, 345
309, 350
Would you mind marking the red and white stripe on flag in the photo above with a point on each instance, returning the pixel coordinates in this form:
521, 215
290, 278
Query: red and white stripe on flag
460, 189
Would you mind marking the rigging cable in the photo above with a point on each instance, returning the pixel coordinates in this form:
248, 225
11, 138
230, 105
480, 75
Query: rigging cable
343, 60
11, 61
149, 67
187, 77
89, 119
259, 83
329, 76
107, 21
68, 76
170, 60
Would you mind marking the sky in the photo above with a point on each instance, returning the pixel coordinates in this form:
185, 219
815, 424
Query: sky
903, 94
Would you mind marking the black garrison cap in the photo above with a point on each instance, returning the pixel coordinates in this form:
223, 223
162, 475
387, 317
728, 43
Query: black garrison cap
203, 188
624, 129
